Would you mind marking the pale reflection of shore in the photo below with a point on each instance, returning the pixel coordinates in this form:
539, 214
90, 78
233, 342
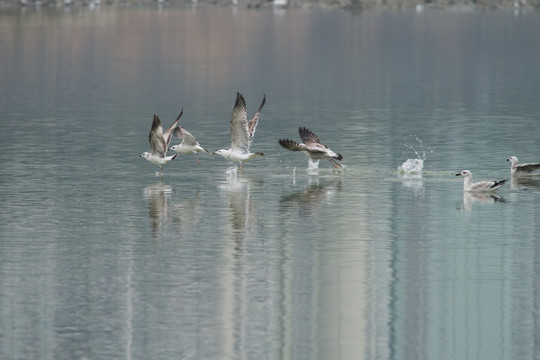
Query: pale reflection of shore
241, 228
310, 198
482, 198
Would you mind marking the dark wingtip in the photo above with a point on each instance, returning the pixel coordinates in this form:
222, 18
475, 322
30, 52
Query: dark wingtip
239, 100
305, 132
175, 156
499, 183
179, 116
283, 142
263, 102
339, 157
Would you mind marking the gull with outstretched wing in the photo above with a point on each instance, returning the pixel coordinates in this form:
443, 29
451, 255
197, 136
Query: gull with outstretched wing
312, 147
159, 143
242, 133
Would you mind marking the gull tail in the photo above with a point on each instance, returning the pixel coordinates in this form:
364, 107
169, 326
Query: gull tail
498, 183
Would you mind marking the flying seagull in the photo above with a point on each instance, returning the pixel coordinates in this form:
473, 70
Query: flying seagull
159, 143
481, 186
189, 144
517, 169
242, 133
312, 147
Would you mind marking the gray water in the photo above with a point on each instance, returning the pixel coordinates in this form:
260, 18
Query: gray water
102, 259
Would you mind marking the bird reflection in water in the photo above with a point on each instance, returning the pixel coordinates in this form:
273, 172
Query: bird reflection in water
483, 198
518, 183
310, 198
166, 213
243, 219
157, 196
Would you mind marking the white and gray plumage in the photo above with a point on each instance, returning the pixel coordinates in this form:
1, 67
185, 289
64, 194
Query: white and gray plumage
517, 169
159, 143
242, 133
481, 186
312, 147
189, 144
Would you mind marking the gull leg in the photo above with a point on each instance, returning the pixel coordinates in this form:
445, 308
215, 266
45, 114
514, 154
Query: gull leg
335, 163
197, 159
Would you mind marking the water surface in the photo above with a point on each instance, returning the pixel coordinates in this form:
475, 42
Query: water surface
100, 258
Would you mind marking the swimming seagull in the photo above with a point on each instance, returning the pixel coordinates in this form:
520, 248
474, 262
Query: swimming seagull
189, 143
517, 169
312, 147
242, 133
481, 186
159, 143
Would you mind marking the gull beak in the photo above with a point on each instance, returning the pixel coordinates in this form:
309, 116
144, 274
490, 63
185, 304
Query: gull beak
458, 174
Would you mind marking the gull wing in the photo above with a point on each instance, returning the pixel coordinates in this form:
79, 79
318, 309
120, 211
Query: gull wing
239, 128
172, 129
307, 136
252, 124
185, 135
529, 168
292, 145
487, 185
158, 145
481, 186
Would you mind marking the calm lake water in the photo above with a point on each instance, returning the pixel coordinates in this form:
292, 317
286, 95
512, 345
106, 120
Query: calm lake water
102, 259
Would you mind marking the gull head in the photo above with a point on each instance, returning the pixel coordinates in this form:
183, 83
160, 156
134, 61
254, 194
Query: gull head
513, 160
222, 152
175, 148
145, 155
464, 173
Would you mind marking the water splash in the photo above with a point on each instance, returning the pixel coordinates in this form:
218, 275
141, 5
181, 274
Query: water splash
414, 166
312, 165
417, 147
411, 167
231, 172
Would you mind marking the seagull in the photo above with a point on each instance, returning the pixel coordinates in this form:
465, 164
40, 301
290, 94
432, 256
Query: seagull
312, 147
242, 133
189, 144
517, 169
159, 143
481, 186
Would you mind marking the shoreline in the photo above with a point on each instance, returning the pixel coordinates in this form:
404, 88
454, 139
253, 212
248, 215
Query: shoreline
352, 5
